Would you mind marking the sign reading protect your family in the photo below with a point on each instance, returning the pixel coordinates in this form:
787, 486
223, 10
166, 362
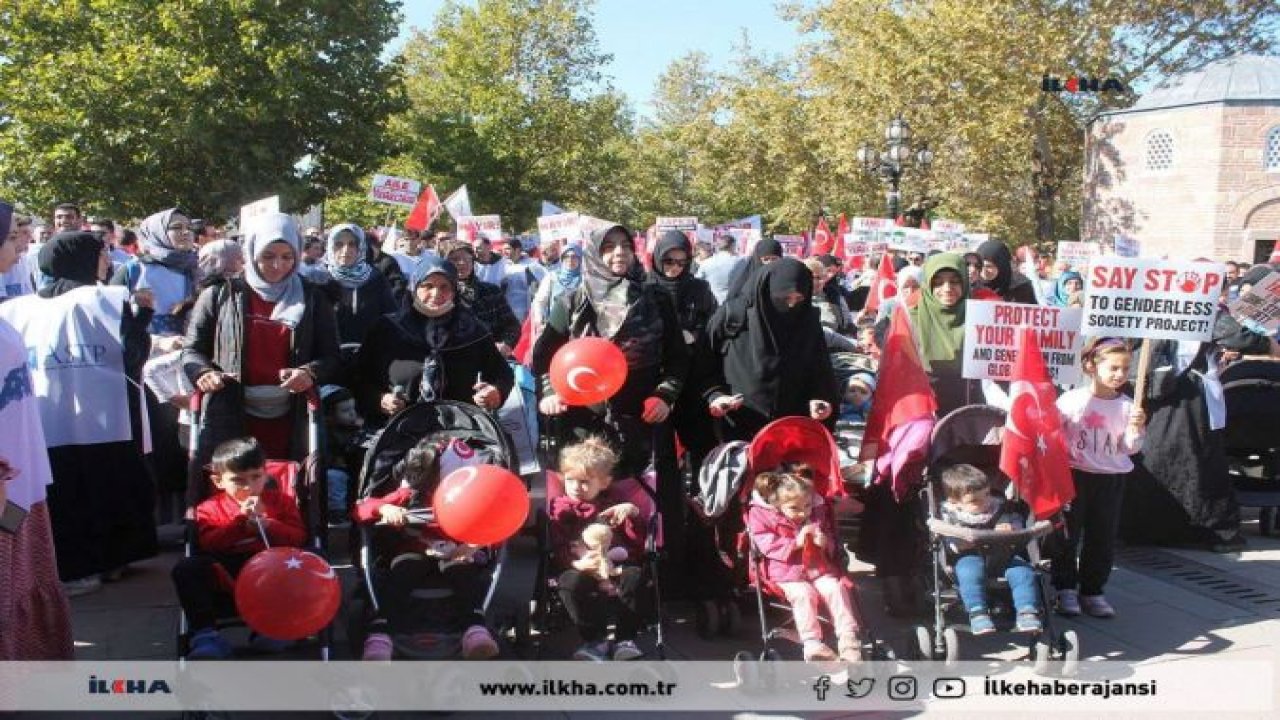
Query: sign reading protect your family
991, 339
1150, 298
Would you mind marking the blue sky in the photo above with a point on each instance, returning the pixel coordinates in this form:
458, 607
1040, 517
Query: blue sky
644, 36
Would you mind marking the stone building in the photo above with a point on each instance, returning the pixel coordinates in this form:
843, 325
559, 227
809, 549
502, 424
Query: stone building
1193, 168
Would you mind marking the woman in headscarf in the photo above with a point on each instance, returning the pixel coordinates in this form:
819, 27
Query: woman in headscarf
102, 499
938, 320
999, 275
1067, 290
36, 616
255, 344
563, 278
776, 362
219, 261
486, 300
434, 348
167, 268
614, 303
766, 251
358, 290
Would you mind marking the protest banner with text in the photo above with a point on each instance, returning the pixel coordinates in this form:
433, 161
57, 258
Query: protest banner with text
258, 208
395, 190
792, 245
1078, 254
1150, 298
1259, 309
562, 228
991, 339
474, 227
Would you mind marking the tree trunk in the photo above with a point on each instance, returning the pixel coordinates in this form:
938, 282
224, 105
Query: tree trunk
1043, 179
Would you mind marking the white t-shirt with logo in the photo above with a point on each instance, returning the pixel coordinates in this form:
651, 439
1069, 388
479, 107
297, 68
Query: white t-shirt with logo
1097, 433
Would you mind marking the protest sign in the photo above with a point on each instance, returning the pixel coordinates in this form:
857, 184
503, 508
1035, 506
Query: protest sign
991, 339
1150, 298
561, 228
480, 226
751, 222
792, 245
1078, 254
676, 223
394, 190
973, 240
1260, 307
747, 239
259, 208
912, 240
1125, 246
857, 244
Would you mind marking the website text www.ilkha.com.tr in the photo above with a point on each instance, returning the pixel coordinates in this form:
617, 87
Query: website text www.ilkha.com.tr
575, 688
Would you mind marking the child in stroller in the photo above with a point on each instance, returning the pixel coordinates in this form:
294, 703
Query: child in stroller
592, 578
424, 563
970, 504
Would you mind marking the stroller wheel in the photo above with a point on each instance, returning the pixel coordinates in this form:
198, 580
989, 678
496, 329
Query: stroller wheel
707, 619
924, 642
1041, 653
951, 643
744, 670
1069, 645
730, 617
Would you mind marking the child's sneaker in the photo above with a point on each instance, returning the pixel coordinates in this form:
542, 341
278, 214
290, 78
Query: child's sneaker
378, 646
1029, 621
1097, 606
980, 623
627, 650
595, 652
208, 644
1068, 603
818, 651
264, 644
478, 643
82, 586
850, 649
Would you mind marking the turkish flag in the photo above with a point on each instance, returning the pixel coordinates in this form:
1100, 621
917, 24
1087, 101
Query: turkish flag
902, 393
823, 243
924, 223
884, 285
525, 345
424, 211
1034, 451
842, 229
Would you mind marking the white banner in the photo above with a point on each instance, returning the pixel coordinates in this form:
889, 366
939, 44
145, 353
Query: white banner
676, 223
562, 228
1260, 307
265, 206
792, 245
973, 240
1078, 254
1149, 298
991, 331
458, 203
77, 363
394, 190
912, 240
473, 227
746, 239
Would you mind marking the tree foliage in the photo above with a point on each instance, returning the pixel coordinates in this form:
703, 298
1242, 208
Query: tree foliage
134, 105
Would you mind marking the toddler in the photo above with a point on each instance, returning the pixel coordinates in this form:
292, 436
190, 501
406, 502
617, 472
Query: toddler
788, 524
344, 447
588, 468
1103, 428
423, 557
857, 397
969, 503
228, 536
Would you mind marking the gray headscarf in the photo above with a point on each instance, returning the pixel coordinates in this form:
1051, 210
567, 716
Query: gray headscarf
216, 256
287, 294
609, 293
154, 233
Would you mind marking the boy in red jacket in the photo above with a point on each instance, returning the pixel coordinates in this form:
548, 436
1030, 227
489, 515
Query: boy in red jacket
227, 537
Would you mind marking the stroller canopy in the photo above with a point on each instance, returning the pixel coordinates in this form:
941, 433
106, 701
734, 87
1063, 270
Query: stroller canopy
798, 439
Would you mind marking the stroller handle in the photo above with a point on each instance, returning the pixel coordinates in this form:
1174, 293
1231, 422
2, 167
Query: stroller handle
990, 537
312, 394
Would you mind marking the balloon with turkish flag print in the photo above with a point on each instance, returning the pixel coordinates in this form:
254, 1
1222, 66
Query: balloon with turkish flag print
1034, 451
587, 371
287, 593
481, 504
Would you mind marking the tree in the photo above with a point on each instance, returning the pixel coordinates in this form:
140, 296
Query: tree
135, 105
507, 96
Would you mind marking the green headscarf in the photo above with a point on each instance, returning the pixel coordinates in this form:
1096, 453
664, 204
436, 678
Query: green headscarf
941, 329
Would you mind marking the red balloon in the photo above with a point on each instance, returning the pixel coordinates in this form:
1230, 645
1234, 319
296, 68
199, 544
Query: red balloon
287, 593
587, 371
481, 504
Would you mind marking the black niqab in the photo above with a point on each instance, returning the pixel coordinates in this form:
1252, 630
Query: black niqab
71, 259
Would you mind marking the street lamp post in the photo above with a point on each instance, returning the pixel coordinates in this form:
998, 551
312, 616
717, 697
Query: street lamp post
897, 156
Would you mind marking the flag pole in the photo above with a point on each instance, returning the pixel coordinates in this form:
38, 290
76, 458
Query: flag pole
1144, 364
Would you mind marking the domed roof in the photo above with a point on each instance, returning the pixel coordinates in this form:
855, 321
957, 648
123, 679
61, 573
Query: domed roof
1242, 77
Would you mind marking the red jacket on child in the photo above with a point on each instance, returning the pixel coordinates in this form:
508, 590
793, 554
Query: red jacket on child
570, 517
222, 528
775, 536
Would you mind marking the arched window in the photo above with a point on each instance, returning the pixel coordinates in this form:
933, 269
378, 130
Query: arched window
1159, 150
1271, 152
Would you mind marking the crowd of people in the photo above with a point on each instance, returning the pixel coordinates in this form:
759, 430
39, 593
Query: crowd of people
717, 344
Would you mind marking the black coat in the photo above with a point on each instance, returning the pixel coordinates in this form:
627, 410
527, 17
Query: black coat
356, 309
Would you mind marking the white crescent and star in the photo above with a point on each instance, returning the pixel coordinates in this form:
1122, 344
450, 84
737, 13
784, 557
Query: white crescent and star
571, 378
293, 563
466, 475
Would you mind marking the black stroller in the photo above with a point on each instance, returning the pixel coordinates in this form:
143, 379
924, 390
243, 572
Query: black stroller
972, 435
423, 626
1252, 445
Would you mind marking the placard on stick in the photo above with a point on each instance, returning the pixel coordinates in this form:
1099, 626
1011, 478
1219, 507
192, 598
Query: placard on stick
1260, 307
1151, 298
991, 339
1078, 254
394, 190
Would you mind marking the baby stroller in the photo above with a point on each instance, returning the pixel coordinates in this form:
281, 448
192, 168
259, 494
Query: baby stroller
972, 434
802, 440
549, 611
304, 482
1252, 390
424, 628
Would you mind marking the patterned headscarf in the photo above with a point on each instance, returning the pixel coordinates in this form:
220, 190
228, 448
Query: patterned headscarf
154, 232
356, 274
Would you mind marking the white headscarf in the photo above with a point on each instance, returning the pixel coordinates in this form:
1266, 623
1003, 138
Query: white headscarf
287, 294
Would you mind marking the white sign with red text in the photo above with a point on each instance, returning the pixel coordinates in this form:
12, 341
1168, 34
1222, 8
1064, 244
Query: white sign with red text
991, 332
258, 208
563, 228
676, 223
1150, 298
792, 245
394, 190
912, 240
1078, 254
473, 227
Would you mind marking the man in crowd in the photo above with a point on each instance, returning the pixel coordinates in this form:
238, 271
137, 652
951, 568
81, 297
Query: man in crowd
718, 268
